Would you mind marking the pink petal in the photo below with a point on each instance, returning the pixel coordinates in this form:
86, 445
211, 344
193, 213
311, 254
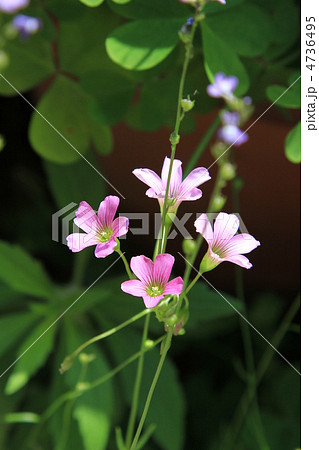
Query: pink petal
194, 194
143, 268
225, 227
86, 218
133, 287
204, 227
174, 287
78, 241
107, 210
150, 178
176, 176
152, 194
106, 248
150, 302
195, 178
120, 226
241, 243
240, 260
162, 268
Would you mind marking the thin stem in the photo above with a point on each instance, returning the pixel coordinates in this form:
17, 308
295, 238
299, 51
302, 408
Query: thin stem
193, 283
202, 146
247, 342
179, 117
99, 381
137, 385
152, 388
79, 268
126, 264
247, 397
69, 360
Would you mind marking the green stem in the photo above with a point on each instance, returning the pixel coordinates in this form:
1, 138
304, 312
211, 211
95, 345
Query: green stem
69, 360
192, 283
179, 117
202, 146
79, 268
152, 388
94, 384
137, 385
247, 397
126, 264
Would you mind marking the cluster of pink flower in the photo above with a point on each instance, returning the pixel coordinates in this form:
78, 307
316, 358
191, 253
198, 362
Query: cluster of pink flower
152, 283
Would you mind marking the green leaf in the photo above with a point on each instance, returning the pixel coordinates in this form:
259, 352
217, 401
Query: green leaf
293, 144
64, 106
239, 28
101, 138
167, 409
206, 305
92, 3
143, 44
93, 410
155, 106
75, 182
23, 273
289, 99
220, 57
34, 358
112, 94
13, 327
30, 63
81, 41
146, 9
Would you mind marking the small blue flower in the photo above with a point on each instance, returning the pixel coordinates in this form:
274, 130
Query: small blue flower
12, 6
232, 135
26, 25
231, 118
190, 21
223, 86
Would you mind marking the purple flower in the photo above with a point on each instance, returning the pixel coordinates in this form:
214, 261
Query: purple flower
100, 230
232, 135
153, 282
223, 86
26, 25
12, 6
230, 118
223, 245
179, 190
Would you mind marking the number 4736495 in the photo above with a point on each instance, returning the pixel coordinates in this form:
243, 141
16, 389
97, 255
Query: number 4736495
310, 43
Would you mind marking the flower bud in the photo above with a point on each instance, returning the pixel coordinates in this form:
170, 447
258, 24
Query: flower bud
2, 142
218, 149
187, 104
4, 60
86, 358
218, 202
174, 138
189, 246
228, 171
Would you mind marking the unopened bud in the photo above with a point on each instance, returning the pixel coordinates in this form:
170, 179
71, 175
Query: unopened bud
228, 171
189, 246
174, 138
86, 358
4, 60
218, 149
218, 203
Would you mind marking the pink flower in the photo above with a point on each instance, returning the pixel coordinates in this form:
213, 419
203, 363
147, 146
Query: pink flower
153, 281
223, 245
179, 190
100, 230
